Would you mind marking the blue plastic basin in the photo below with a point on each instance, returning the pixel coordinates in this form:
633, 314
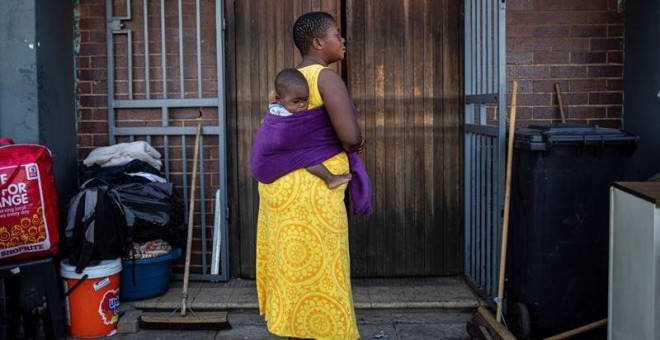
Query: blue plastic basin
152, 276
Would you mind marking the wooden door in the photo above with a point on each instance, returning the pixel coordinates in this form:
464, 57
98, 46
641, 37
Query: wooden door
403, 71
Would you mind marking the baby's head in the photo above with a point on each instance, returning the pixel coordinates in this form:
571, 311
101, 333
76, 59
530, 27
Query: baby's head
291, 90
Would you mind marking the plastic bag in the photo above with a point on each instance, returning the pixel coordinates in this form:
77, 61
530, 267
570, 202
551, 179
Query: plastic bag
29, 206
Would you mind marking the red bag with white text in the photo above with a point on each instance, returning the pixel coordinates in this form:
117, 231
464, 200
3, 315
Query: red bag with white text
29, 206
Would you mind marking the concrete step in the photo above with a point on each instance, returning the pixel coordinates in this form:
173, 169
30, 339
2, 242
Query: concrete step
390, 293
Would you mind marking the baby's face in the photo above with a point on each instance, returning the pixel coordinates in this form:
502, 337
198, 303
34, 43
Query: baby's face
295, 100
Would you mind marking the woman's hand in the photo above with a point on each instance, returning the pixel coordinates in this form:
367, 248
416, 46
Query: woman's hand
361, 146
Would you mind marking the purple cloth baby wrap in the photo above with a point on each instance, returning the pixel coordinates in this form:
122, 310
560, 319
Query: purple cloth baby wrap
285, 144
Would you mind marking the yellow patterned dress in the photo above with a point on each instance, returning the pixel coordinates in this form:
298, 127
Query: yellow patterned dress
303, 270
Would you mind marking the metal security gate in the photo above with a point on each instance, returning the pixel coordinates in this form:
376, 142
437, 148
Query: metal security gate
485, 124
165, 67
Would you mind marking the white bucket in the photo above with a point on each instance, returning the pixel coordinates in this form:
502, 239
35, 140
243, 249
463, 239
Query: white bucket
92, 308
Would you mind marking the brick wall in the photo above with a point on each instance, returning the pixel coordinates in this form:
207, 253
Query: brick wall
91, 68
91, 77
577, 44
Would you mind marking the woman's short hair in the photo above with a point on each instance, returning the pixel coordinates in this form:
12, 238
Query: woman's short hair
309, 26
288, 78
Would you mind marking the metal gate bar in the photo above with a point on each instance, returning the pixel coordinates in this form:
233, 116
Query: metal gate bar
165, 103
485, 89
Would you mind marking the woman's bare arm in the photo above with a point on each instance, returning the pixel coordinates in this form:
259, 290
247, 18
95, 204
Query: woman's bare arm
337, 103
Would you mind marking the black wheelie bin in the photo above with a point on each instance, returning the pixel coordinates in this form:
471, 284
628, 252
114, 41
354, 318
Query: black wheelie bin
557, 263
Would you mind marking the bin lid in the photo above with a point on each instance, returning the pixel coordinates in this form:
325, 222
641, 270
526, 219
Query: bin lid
544, 137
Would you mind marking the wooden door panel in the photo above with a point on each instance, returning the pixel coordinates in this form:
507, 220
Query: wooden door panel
403, 71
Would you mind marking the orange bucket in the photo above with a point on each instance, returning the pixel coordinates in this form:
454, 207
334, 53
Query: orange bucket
92, 305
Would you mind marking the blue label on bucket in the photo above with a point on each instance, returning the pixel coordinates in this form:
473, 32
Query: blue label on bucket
100, 284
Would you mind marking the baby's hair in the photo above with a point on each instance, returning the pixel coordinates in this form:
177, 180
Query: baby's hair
287, 78
309, 26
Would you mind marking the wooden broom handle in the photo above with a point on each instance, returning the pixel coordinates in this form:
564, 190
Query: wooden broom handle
507, 199
579, 330
560, 102
191, 213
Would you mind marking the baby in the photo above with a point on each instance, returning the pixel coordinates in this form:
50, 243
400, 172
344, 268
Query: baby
291, 97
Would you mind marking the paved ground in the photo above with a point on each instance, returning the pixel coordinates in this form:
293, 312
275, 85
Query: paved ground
390, 324
388, 309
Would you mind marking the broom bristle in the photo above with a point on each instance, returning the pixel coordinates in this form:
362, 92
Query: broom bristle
484, 326
199, 321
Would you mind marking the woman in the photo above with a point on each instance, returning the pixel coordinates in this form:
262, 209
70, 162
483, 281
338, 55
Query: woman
303, 270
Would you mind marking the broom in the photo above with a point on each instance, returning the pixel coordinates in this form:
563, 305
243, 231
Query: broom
204, 320
483, 325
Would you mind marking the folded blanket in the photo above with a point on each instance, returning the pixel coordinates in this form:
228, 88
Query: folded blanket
123, 153
285, 144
